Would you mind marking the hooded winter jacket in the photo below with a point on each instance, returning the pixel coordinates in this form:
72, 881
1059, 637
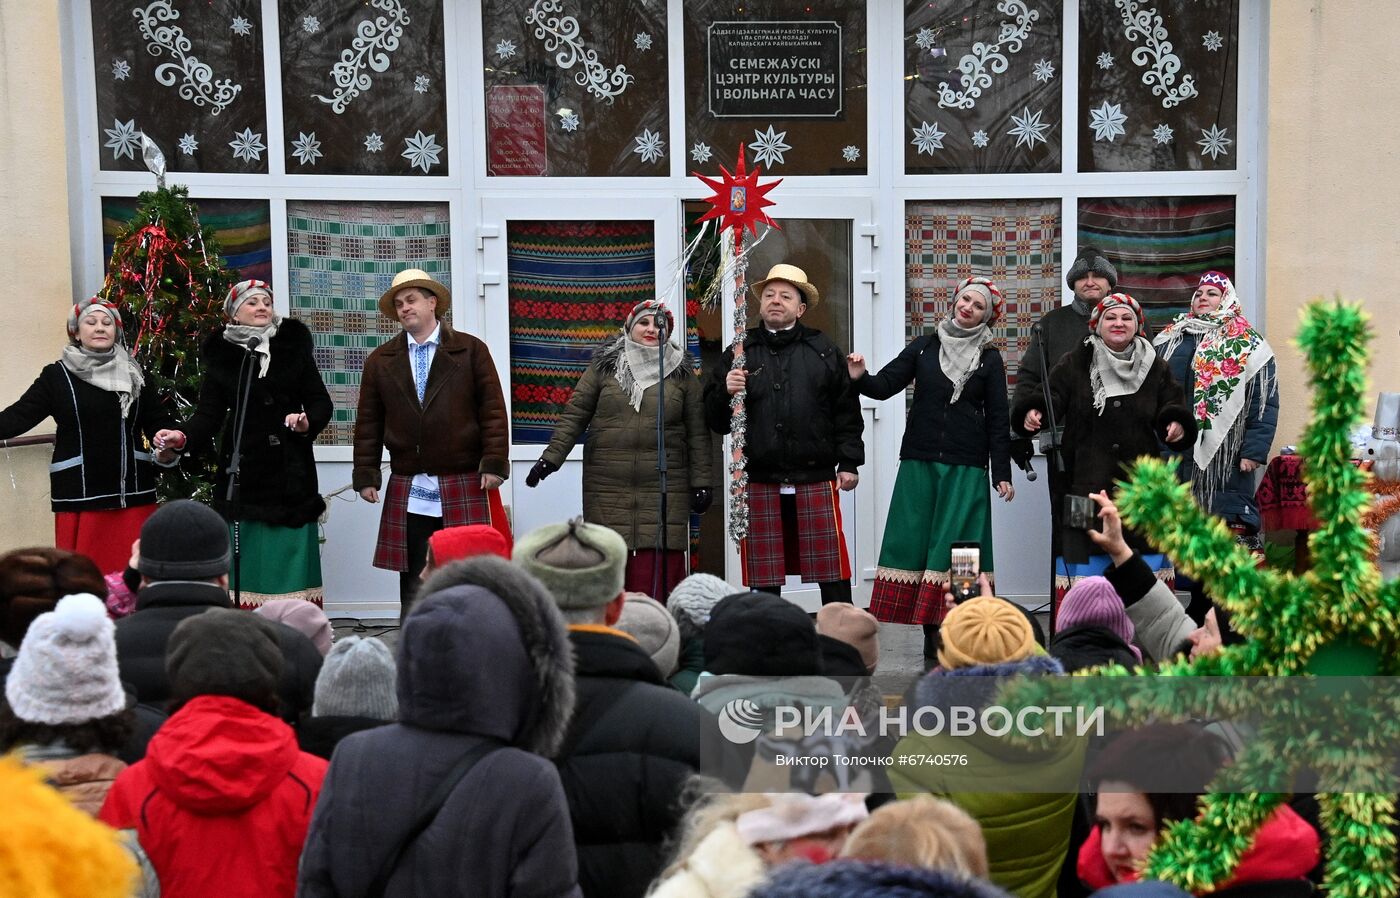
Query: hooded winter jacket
221, 803
484, 656
1027, 827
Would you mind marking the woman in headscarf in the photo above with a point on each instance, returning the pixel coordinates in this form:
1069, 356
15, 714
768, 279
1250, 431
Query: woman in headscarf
1228, 372
618, 397
278, 502
1116, 401
957, 426
102, 481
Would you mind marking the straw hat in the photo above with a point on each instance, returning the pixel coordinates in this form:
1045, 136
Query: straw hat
793, 275
414, 277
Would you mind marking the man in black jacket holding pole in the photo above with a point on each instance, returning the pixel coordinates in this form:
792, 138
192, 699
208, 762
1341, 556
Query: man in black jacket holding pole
804, 426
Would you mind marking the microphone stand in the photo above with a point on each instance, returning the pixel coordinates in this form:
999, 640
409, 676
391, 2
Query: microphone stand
240, 414
1051, 447
658, 577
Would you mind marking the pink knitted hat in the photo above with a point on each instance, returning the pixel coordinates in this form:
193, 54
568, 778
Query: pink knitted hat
1093, 602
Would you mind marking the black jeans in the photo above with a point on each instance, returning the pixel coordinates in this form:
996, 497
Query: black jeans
419, 528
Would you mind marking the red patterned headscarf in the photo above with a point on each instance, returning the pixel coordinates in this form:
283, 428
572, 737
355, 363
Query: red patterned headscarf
989, 291
1116, 300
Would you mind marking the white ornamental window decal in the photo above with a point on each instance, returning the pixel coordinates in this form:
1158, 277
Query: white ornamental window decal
561, 33
196, 78
1156, 52
374, 41
974, 66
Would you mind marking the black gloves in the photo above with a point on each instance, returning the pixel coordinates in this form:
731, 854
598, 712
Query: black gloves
700, 500
540, 471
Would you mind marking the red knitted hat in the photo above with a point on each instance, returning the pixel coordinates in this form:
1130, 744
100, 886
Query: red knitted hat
1118, 299
456, 543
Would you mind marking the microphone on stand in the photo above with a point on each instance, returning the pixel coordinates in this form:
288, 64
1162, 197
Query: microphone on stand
253, 343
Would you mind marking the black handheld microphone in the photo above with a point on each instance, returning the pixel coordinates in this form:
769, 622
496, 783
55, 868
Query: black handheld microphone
254, 343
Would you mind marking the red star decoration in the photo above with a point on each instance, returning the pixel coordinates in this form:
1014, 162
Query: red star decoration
739, 199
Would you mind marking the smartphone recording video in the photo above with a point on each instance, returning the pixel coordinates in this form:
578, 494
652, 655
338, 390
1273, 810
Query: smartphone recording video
966, 565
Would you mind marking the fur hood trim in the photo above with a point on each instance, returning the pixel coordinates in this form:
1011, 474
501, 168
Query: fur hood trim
543, 632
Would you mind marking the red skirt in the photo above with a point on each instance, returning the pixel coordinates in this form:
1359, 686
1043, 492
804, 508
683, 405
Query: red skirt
641, 575
105, 536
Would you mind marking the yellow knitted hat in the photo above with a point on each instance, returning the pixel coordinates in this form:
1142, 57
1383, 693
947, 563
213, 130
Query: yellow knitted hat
985, 630
50, 849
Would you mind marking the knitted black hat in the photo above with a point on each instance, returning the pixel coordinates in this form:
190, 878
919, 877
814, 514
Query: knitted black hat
1091, 258
761, 635
184, 540
225, 652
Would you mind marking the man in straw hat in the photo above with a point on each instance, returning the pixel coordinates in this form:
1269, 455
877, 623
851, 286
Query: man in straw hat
431, 395
804, 440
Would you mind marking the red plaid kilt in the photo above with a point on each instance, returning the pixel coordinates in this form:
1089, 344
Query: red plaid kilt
463, 502
816, 551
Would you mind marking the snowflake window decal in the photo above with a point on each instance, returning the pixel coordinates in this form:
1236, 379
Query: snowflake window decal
925, 39
187, 144
568, 120
1107, 121
642, 41
123, 139
306, 148
980, 139
241, 26
310, 24
987, 59
505, 50
121, 69
928, 137
1028, 128
769, 147
247, 145
850, 153
421, 84
1212, 41
1163, 133
701, 152
1044, 70
1105, 61
1214, 143
374, 143
421, 150
650, 146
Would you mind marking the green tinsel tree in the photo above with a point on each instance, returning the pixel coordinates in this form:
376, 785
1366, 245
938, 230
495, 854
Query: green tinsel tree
168, 277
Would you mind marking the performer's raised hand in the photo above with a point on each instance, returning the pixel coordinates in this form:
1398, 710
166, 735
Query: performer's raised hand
855, 365
1110, 538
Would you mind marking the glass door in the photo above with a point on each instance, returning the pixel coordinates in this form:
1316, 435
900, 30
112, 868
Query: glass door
829, 238
558, 276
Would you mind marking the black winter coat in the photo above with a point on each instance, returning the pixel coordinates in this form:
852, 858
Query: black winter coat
1077, 648
278, 476
1061, 332
320, 735
632, 743
804, 417
100, 460
1099, 448
967, 432
142, 637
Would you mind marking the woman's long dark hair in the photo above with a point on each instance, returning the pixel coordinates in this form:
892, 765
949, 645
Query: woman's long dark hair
1169, 763
106, 735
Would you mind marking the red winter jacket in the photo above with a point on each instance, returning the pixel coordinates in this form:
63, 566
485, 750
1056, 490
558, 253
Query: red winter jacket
1285, 847
221, 802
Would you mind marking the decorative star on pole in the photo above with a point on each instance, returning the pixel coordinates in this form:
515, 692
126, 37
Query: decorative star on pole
738, 202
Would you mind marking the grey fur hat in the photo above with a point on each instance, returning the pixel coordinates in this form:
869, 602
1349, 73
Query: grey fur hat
581, 564
447, 625
1091, 258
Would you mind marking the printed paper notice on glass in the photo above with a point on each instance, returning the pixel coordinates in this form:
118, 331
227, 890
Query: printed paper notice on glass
515, 130
775, 69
